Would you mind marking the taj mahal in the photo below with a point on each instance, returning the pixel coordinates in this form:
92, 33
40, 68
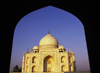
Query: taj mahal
48, 57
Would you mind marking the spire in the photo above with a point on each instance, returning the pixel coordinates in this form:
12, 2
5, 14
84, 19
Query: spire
67, 50
48, 32
71, 51
27, 50
30, 50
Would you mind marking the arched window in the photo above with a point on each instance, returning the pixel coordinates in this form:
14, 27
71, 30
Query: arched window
63, 59
34, 59
34, 69
63, 68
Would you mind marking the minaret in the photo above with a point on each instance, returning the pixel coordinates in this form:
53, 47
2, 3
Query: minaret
23, 62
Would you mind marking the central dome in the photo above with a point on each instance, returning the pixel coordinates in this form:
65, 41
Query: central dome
48, 41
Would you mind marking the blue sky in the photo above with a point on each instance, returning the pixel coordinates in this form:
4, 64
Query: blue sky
64, 26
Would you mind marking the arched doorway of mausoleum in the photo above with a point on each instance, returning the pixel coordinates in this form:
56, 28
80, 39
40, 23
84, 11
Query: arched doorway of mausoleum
49, 64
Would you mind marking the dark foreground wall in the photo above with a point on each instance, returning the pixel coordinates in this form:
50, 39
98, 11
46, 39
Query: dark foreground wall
87, 11
58, 72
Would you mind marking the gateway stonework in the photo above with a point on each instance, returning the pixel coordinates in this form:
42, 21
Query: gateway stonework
48, 57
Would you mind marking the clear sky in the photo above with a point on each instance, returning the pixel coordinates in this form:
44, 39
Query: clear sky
64, 26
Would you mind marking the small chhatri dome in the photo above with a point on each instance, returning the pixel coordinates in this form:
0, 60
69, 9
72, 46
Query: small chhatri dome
35, 47
48, 41
61, 47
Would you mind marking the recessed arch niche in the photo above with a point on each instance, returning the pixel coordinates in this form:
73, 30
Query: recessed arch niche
34, 69
63, 59
49, 64
34, 59
63, 68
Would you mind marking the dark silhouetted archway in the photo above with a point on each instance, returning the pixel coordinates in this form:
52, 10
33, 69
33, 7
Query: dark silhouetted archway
85, 11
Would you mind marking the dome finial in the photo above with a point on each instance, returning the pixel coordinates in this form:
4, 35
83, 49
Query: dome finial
48, 32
